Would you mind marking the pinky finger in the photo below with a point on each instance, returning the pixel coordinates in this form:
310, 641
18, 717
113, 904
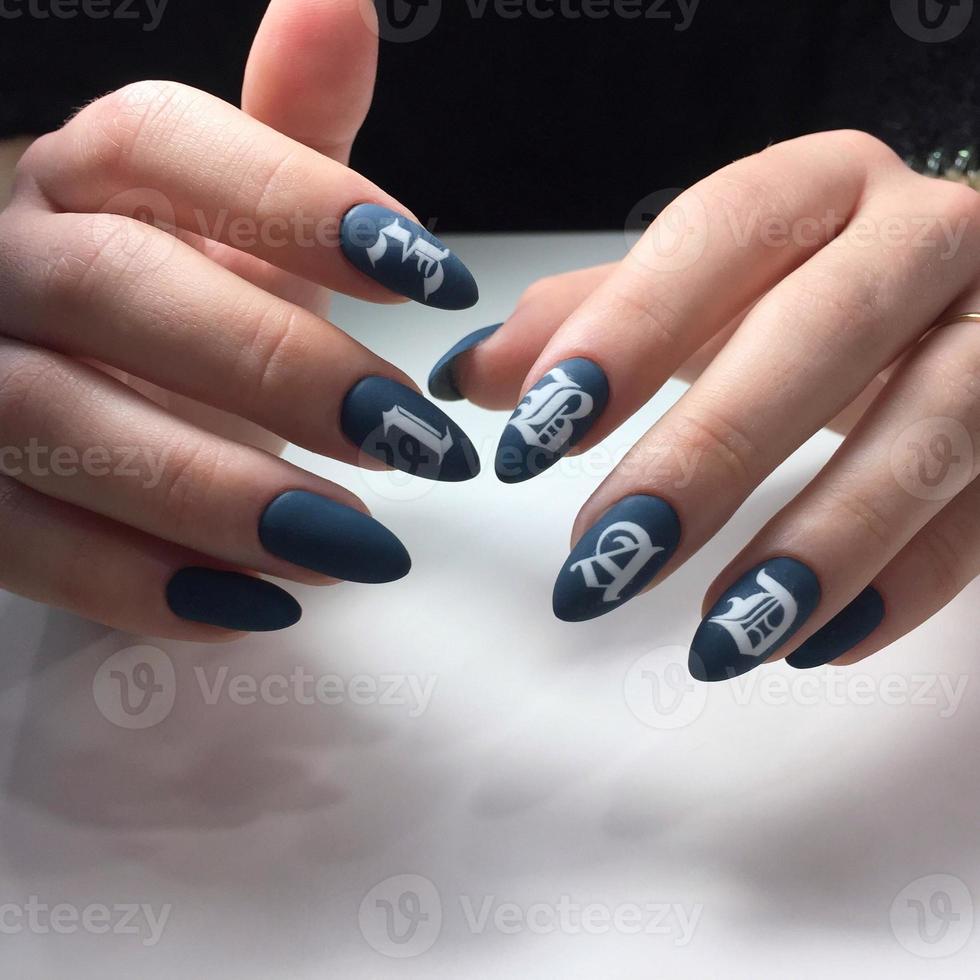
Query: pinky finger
59, 554
932, 569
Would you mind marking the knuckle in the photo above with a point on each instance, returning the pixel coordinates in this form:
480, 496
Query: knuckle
191, 475
866, 146
104, 252
959, 204
26, 375
116, 126
862, 513
649, 309
707, 436
278, 343
943, 560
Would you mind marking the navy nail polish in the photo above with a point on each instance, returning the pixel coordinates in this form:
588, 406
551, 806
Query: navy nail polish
442, 382
616, 558
320, 534
854, 623
753, 619
231, 601
552, 417
405, 258
398, 426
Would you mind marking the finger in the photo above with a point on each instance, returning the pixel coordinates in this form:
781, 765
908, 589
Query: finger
707, 257
71, 432
197, 163
917, 448
71, 558
802, 354
926, 575
311, 72
488, 366
129, 295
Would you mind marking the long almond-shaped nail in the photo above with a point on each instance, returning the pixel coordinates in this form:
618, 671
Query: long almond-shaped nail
231, 601
753, 619
552, 417
616, 558
442, 378
406, 258
327, 537
397, 425
852, 625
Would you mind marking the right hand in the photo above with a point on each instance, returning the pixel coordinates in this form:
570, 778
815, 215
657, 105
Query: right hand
116, 508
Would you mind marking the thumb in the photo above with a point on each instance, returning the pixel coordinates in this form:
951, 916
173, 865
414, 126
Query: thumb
311, 71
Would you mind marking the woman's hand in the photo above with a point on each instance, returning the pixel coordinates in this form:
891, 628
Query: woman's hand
806, 281
114, 507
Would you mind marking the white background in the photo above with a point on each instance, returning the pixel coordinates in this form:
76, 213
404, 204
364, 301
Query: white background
790, 815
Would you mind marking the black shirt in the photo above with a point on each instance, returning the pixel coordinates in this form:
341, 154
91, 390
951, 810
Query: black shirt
488, 120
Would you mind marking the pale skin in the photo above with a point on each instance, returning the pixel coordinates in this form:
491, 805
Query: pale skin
780, 337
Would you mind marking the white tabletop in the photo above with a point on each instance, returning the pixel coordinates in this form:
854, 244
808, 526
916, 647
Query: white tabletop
454, 784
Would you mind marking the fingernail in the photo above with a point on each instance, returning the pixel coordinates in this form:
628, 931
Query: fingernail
753, 619
405, 258
327, 537
854, 623
616, 558
552, 417
231, 601
442, 380
397, 425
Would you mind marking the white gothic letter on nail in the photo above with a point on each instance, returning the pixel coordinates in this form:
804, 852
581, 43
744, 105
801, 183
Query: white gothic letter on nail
545, 416
429, 257
419, 430
759, 621
623, 540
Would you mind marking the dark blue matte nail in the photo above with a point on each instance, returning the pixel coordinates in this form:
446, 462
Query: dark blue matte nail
753, 619
231, 601
616, 558
442, 381
553, 416
397, 425
405, 258
854, 623
320, 534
